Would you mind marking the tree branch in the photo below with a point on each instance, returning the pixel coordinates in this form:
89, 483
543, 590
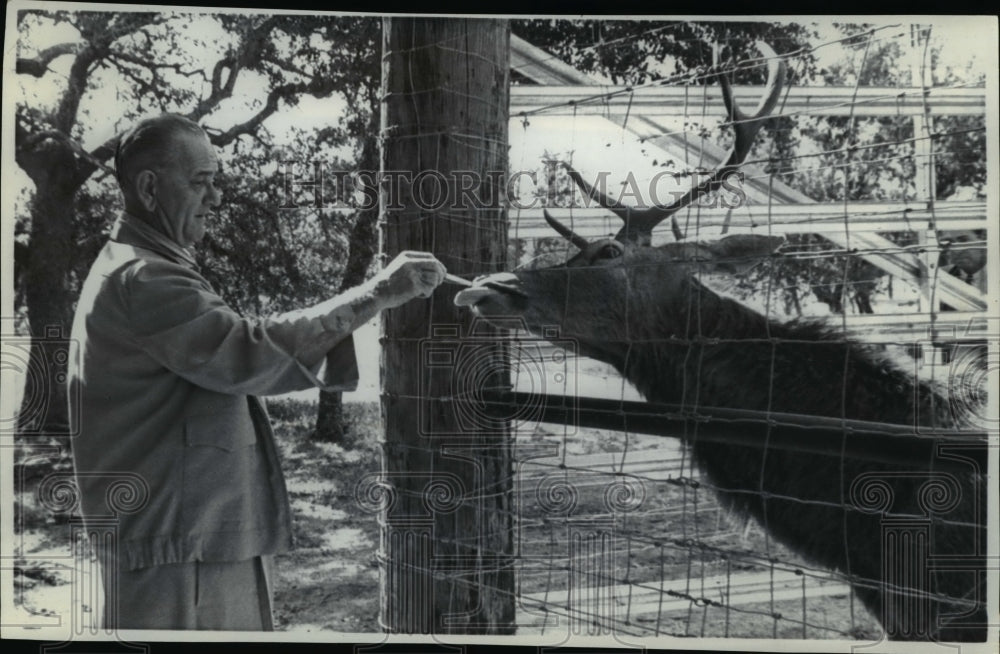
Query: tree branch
31, 141
319, 88
249, 54
154, 66
251, 50
38, 65
144, 86
130, 23
285, 66
99, 32
222, 139
220, 91
106, 150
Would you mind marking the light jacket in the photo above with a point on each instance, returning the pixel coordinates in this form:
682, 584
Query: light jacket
170, 438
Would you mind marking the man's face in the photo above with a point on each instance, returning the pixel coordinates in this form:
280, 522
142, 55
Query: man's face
185, 188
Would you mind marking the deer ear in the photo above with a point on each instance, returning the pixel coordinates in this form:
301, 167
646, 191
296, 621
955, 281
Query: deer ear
741, 252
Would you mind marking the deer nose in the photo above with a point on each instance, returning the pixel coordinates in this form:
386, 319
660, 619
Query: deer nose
504, 282
496, 285
504, 278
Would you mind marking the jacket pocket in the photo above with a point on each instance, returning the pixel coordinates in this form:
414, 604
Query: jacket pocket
226, 430
218, 485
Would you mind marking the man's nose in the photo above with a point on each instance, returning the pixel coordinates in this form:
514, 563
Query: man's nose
214, 197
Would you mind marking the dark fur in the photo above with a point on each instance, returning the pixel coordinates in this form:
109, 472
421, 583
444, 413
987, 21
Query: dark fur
646, 314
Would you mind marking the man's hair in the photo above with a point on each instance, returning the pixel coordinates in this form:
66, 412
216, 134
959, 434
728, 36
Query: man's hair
146, 145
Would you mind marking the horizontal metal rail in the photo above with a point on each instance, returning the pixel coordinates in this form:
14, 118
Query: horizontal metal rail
923, 447
947, 327
817, 218
682, 100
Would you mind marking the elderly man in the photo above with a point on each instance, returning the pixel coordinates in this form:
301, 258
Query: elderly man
165, 394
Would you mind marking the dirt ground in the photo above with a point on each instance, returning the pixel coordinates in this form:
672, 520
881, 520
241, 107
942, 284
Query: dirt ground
330, 580
671, 561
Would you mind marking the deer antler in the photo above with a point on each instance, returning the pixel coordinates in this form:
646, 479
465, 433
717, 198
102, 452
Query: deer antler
639, 223
565, 231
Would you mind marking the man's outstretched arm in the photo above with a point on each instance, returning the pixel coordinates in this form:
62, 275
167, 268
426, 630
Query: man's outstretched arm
409, 275
189, 329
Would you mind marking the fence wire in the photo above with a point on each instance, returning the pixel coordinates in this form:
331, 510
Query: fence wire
630, 533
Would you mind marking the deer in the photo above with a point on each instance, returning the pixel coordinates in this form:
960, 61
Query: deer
646, 311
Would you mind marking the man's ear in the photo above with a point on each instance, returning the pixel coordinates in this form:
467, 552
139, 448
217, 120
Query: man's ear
145, 189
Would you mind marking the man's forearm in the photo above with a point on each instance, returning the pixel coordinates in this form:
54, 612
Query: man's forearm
409, 275
341, 316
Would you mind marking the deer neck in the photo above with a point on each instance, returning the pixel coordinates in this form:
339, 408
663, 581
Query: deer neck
657, 360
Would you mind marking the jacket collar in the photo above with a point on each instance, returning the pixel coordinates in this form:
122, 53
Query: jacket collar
130, 230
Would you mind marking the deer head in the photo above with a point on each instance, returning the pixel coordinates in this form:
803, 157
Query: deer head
605, 295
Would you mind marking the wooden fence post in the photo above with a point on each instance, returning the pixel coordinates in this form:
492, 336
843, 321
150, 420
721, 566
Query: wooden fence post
446, 545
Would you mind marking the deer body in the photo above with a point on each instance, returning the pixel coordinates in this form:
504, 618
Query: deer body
645, 311
678, 342
798, 497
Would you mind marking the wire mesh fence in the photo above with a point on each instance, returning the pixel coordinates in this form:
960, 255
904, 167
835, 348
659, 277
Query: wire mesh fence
747, 534
768, 421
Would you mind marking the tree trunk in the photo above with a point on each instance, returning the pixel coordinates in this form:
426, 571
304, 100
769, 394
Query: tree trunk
47, 295
330, 424
446, 542
832, 295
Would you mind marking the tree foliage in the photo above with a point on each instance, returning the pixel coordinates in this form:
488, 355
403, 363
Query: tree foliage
87, 75
637, 52
828, 158
869, 159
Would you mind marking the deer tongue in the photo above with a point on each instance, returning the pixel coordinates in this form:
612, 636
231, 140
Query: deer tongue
488, 285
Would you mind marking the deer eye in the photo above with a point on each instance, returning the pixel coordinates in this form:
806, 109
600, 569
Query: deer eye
610, 251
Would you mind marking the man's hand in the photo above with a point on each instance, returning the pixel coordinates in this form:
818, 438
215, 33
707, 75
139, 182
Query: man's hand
409, 275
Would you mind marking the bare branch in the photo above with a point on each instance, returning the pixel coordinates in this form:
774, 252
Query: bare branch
106, 150
144, 86
248, 127
99, 32
318, 88
220, 65
222, 83
39, 65
286, 66
250, 52
86, 156
129, 23
28, 142
155, 66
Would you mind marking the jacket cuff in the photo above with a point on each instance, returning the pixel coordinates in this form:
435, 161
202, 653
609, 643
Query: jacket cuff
338, 371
